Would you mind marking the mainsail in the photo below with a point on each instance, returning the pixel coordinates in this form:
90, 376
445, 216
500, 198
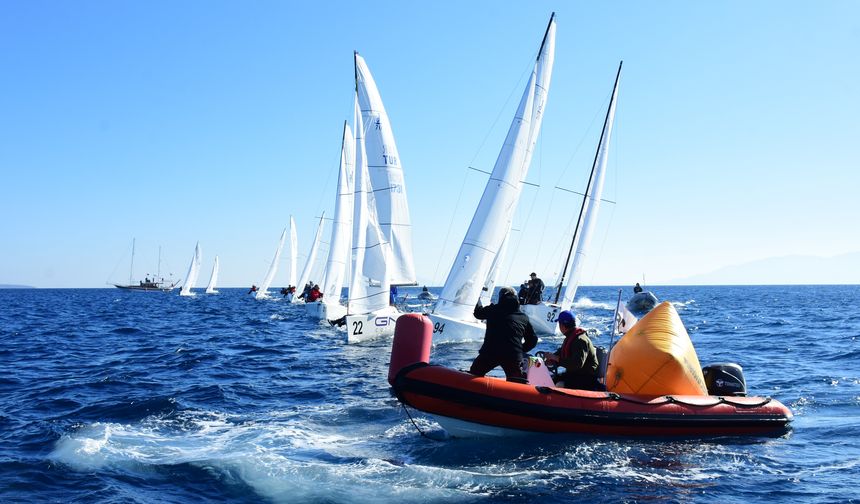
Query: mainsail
341, 229
193, 271
590, 204
210, 289
262, 292
294, 252
312, 256
386, 176
494, 215
369, 285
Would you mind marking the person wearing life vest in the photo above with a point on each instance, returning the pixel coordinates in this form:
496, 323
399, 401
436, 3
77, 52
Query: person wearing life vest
314, 294
252, 289
576, 355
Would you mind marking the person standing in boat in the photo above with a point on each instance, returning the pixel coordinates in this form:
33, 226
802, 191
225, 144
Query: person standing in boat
536, 287
637, 288
576, 355
508, 336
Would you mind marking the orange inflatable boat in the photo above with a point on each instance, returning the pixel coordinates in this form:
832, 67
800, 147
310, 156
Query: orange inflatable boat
655, 388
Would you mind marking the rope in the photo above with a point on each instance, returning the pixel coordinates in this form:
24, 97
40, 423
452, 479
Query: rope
416, 425
667, 399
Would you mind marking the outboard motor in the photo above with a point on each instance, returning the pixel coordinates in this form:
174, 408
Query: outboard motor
602, 363
725, 379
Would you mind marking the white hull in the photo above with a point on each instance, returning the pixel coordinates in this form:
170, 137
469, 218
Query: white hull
446, 330
212, 291
463, 429
370, 326
642, 302
543, 317
322, 311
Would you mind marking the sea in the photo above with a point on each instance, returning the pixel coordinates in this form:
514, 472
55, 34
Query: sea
129, 397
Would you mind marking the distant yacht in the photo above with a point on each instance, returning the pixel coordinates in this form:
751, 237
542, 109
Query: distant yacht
157, 283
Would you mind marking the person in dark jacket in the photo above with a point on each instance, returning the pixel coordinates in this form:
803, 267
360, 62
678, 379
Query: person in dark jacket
576, 355
536, 286
508, 336
637, 288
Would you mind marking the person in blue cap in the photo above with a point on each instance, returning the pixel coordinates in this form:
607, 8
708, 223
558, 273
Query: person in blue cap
576, 355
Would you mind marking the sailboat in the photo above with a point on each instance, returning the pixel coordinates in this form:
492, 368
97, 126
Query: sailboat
382, 230
543, 316
193, 271
154, 284
263, 290
369, 314
473, 267
308, 270
329, 307
213, 279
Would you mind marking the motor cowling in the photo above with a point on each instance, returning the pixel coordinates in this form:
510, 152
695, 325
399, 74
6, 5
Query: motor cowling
725, 379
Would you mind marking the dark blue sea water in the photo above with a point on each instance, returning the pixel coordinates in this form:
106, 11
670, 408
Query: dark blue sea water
111, 396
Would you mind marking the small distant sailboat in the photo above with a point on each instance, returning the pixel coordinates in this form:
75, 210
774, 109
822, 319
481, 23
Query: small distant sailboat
193, 271
544, 316
154, 284
263, 290
308, 270
477, 261
210, 289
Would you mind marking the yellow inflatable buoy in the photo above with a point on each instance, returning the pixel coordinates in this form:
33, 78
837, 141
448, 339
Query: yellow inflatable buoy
656, 357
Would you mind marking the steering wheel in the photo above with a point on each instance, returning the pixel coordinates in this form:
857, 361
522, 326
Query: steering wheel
552, 368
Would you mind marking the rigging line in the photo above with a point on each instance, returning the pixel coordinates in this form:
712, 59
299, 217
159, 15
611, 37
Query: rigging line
488, 173
450, 226
583, 194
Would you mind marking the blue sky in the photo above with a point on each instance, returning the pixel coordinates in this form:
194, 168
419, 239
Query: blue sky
174, 122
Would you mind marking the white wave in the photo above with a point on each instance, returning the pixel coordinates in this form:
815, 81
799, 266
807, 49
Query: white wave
288, 458
585, 302
277, 316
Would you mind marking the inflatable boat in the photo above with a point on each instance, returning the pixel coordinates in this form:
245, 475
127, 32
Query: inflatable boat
642, 302
471, 406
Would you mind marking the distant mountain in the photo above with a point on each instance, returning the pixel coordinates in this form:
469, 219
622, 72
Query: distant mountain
787, 270
13, 286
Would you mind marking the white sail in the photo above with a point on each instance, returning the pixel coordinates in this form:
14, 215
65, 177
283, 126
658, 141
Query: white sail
294, 252
495, 270
339, 246
386, 176
495, 212
210, 289
369, 285
591, 203
312, 257
263, 290
193, 271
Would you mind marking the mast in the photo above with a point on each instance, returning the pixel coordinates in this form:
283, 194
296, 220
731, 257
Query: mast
158, 270
588, 187
131, 270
